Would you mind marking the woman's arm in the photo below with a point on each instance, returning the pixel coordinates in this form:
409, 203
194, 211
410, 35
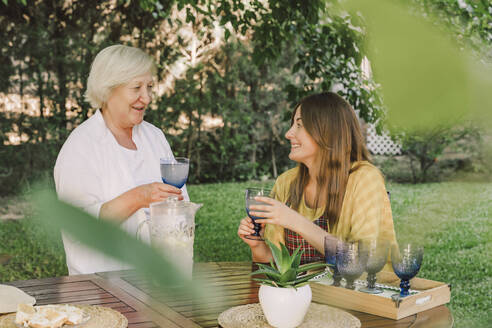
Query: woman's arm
260, 252
122, 207
280, 214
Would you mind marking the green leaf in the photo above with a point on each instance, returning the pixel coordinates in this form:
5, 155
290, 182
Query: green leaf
266, 282
286, 260
302, 284
290, 283
305, 278
296, 257
311, 266
267, 267
289, 275
276, 253
272, 274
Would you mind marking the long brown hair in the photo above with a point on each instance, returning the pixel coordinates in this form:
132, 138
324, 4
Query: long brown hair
332, 123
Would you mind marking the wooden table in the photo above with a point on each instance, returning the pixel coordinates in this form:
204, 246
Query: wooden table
144, 306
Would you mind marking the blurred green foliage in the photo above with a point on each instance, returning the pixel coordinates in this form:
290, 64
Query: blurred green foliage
426, 79
468, 21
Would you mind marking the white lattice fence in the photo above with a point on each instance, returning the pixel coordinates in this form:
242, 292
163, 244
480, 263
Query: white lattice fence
380, 144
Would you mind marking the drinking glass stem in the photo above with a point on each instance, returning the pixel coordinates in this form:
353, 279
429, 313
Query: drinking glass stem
405, 286
371, 280
350, 284
337, 277
257, 228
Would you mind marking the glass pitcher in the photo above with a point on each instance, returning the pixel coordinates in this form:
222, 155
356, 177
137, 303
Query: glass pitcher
172, 231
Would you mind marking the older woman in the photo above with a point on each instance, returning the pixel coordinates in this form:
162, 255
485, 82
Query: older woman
109, 165
334, 192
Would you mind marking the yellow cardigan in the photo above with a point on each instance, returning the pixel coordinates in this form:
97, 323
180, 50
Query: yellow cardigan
366, 209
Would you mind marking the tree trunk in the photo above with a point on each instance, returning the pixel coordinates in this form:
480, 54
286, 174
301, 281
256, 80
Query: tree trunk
256, 108
274, 161
21, 87
424, 168
253, 158
199, 109
21, 94
189, 135
414, 174
40, 91
59, 55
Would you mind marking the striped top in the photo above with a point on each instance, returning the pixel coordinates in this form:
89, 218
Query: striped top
365, 213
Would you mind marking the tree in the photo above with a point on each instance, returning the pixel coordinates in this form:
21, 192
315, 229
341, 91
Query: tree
249, 105
425, 148
327, 40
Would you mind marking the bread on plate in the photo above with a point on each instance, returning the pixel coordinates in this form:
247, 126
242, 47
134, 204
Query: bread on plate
48, 316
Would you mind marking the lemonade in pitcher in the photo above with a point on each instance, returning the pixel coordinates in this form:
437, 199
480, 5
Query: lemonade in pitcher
172, 231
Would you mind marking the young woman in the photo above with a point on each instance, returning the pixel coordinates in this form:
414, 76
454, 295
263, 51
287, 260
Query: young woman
333, 192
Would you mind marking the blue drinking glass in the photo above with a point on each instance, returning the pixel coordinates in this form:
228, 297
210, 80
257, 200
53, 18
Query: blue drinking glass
351, 261
377, 256
406, 259
250, 195
331, 259
174, 171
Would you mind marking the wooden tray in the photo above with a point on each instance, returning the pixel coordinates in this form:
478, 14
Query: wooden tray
428, 294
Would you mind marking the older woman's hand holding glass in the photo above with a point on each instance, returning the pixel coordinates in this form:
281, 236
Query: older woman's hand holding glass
125, 205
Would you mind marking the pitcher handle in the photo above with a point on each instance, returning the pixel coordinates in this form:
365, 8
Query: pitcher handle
140, 227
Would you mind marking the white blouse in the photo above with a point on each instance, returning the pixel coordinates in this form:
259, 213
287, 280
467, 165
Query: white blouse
92, 168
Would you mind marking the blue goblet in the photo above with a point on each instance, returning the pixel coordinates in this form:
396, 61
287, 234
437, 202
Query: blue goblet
406, 259
351, 261
377, 256
250, 195
174, 171
331, 259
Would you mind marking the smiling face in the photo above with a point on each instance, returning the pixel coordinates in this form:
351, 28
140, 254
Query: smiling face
127, 102
303, 147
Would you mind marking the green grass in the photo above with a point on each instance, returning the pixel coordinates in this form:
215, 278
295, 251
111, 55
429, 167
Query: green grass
453, 220
34, 252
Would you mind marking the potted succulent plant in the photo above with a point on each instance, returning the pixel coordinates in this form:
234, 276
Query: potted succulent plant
285, 293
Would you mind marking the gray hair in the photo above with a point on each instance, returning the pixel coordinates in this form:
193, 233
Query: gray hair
114, 66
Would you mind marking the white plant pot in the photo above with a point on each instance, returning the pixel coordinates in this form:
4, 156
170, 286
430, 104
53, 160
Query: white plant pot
285, 307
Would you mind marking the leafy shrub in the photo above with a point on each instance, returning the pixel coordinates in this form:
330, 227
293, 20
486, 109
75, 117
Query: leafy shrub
425, 148
21, 165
